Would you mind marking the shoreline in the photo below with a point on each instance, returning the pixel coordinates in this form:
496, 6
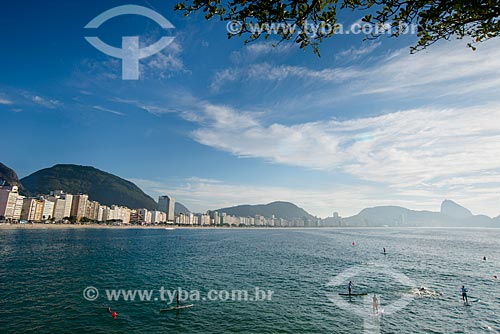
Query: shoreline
41, 226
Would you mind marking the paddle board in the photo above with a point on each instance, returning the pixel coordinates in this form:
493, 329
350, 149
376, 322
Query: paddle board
379, 313
472, 301
353, 294
175, 308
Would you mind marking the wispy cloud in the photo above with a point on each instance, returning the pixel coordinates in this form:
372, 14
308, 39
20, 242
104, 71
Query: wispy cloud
154, 109
252, 51
354, 53
46, 102
450, 69
408, 151
222, 77
108, 110
165, 63
246, 57
5, 101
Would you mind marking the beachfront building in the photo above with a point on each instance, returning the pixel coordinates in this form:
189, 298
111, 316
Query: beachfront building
28, 210
67, 204
32, 209
48, 209
214, 217
92, 210
62, 204
158, 217
167, 204
16, 215
260, 220
247, 221
9, 202
229, 220
119, 213
203, 219
103, 214
182, 219
59, 205
192, 219
144, 216
79, 206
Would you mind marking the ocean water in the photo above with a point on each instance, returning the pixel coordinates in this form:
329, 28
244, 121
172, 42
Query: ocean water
43, 274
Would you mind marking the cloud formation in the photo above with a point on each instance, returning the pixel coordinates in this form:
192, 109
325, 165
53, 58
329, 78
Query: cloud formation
414, 152
5, 101
449, 69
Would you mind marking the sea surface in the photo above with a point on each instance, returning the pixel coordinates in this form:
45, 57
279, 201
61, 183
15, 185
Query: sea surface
43, 275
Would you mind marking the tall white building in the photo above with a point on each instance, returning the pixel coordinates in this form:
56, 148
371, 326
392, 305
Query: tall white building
67, 199
203, 219
62, 206
103, 214
48, 209
18, 208
67, 206
92, 210
32, 209
144, 216
8, 200
119, 213
59, 206
79, 206
167, 204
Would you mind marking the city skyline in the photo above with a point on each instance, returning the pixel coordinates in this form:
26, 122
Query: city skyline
367, 124
60, 207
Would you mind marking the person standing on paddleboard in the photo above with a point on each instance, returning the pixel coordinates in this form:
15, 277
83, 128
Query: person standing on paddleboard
349, 287
464, 294
178, 299
375, 304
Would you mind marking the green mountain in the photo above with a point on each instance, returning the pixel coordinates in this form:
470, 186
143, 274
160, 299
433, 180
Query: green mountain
103, 187
455, 210
283, 210
179, 208
9, 177
451, 215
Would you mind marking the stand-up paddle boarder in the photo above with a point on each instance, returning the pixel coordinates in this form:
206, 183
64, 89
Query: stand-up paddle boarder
464, 294
375, 304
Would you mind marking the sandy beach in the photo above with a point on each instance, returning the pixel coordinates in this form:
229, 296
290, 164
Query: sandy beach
77, 226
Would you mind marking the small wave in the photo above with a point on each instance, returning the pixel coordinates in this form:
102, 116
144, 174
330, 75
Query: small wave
425, 292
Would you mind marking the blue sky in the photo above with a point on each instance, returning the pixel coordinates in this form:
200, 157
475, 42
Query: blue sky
215, 122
